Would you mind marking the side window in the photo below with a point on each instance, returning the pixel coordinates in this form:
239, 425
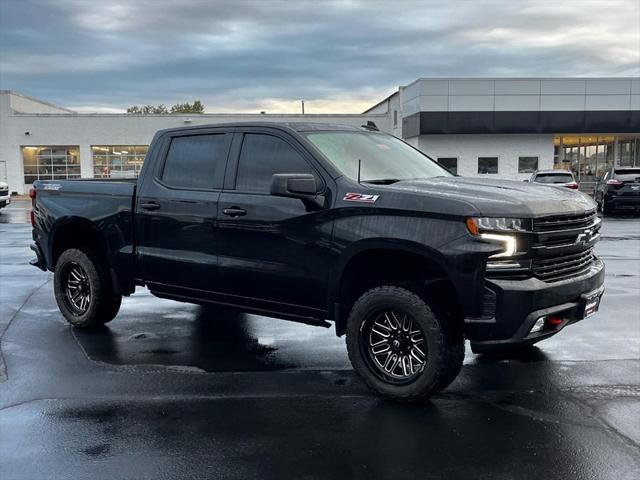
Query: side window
263, 156
527, 164
450, 163
487, 164
196, 161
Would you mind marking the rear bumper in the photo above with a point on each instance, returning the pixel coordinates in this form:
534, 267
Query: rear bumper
520, 303
39, 261
622, 201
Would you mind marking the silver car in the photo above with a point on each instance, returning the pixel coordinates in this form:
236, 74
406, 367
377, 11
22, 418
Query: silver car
556, 178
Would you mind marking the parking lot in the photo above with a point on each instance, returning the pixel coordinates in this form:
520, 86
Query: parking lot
171, 390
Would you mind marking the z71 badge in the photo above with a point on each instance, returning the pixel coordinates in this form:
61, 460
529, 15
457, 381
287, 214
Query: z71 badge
360, 197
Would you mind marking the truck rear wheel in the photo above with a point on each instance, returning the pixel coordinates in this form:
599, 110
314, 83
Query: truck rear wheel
403, 348
83, 289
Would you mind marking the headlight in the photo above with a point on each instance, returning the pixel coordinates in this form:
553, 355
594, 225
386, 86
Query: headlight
501, 224
484, 227
509, 242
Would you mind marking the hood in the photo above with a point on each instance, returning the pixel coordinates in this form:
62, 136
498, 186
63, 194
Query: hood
494, 197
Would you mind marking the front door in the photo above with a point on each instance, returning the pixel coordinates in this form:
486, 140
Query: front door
176, 212
272, 250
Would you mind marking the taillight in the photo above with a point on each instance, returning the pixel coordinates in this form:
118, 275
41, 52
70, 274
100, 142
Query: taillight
615, 181
573, 186
32, 215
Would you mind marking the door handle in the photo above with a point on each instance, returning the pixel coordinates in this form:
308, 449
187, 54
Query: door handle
234, 212
150, 206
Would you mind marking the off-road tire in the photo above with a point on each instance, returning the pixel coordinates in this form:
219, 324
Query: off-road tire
444, 339
104, 303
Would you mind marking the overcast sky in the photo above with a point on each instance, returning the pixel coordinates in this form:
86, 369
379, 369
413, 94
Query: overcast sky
247, 56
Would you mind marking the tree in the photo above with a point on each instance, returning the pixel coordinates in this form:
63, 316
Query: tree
195, 107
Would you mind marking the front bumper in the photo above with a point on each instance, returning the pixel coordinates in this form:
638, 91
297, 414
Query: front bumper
5, 200
519, 303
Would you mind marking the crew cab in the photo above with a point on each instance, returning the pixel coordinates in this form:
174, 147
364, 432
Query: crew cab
328, 224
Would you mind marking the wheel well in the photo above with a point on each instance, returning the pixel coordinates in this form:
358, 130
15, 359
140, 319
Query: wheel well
75, 235
377, 267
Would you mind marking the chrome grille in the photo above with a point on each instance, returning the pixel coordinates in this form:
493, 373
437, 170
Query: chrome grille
564, 222
558, 267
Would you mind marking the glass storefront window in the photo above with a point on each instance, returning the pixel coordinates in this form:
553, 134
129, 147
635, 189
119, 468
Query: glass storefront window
117, 161
629, 151
589, 156
50, 163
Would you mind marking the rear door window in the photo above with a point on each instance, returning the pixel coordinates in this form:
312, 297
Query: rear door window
196, 161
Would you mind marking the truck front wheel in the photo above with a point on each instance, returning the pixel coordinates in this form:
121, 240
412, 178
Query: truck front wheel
83, 289
401, 346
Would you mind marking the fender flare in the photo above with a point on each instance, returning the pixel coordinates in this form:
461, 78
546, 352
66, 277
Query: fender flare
337, 270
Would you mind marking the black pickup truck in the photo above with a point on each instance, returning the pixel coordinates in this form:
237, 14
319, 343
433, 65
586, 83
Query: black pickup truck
319, 223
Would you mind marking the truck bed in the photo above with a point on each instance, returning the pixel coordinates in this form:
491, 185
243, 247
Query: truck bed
104, 205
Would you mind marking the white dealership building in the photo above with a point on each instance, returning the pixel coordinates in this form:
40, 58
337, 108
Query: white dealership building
503, 127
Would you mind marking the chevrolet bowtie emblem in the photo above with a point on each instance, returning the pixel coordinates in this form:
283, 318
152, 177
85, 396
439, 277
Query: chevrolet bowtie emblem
584, 237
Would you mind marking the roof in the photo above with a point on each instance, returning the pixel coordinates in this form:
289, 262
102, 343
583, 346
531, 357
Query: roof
386, 99
295, 126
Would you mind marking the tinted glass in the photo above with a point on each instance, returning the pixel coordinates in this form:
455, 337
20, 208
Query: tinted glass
381, 157
554, 178
488, 165
263, 156
450, 164
628, 174
196, 161
527, 164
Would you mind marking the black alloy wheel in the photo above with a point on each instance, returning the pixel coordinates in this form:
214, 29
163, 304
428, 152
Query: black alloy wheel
394, 346
77, 288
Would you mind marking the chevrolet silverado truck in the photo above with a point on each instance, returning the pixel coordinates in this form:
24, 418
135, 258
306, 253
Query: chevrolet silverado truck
328, 224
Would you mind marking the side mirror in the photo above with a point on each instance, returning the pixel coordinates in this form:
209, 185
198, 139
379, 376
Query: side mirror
295, 185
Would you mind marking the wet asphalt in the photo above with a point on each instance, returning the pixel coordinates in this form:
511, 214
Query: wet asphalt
171, 390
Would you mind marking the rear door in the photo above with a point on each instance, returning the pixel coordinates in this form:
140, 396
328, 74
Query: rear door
273, 251
176, 211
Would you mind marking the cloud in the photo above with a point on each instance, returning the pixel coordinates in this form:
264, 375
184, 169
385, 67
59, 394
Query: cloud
266, 55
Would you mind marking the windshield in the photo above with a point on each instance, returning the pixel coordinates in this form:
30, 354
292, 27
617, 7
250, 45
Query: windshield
384, 159
554, 178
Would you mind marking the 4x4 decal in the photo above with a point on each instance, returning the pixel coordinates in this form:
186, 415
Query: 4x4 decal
360, 197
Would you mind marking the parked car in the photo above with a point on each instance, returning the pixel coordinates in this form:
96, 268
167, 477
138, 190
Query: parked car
556, 178
316, 222
618, 189
5, 197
